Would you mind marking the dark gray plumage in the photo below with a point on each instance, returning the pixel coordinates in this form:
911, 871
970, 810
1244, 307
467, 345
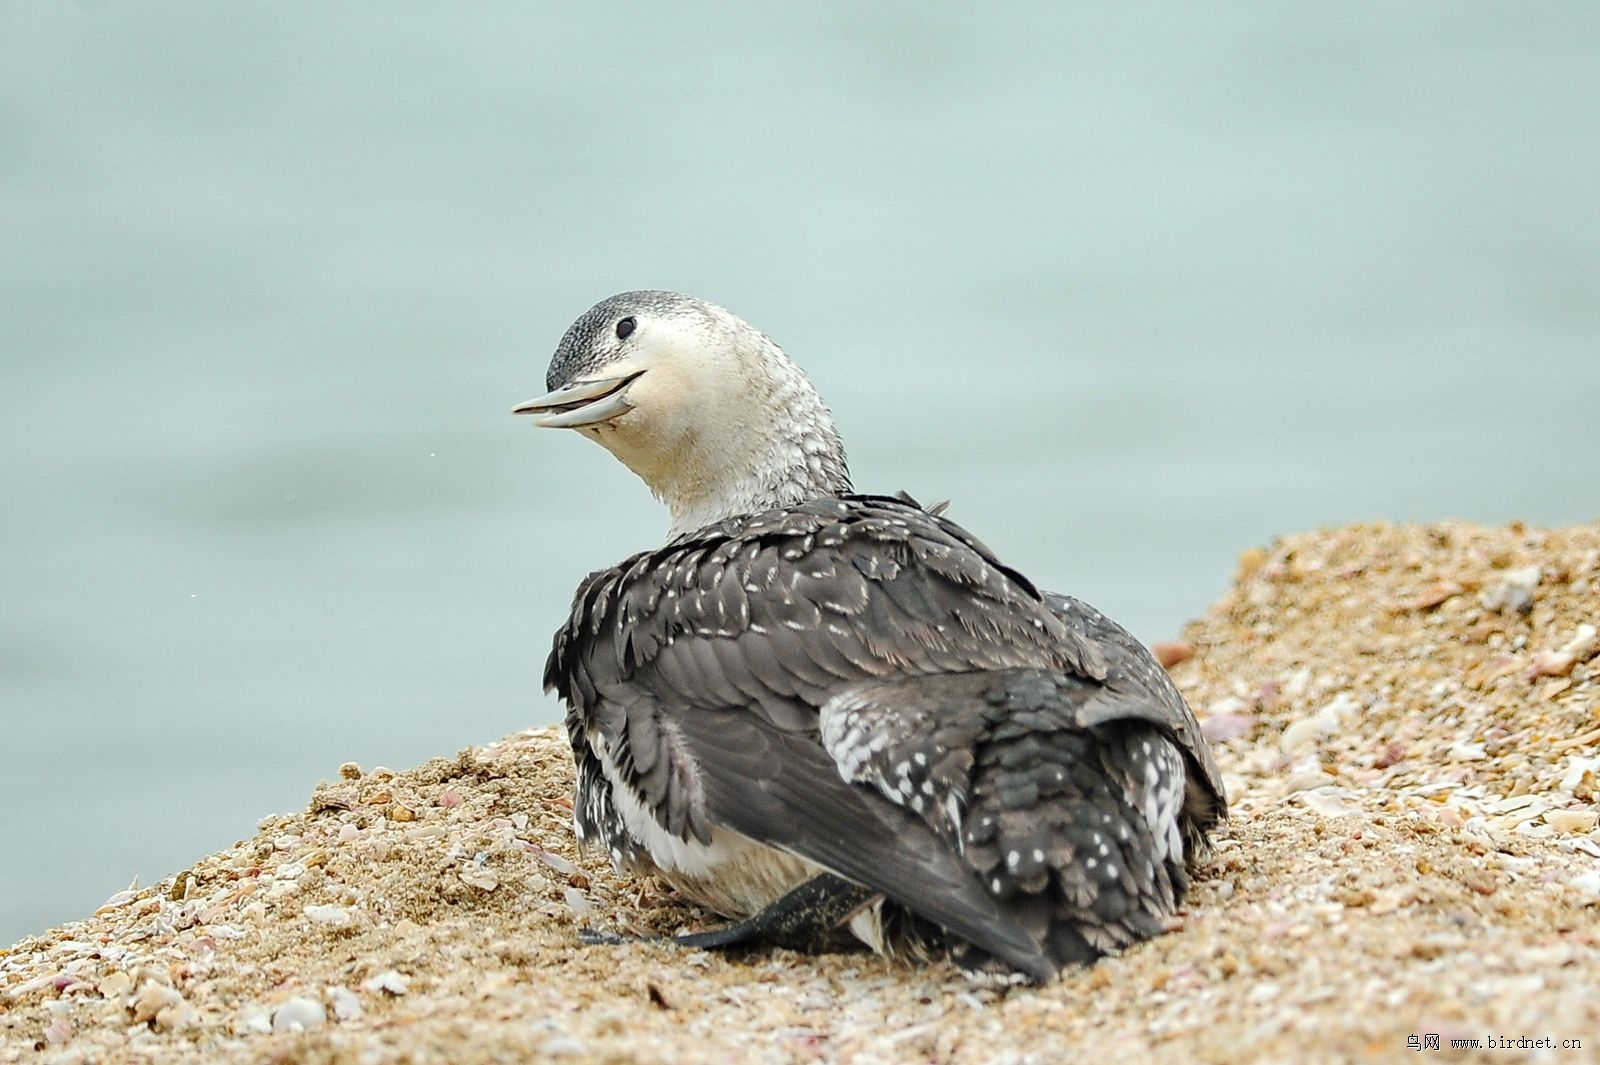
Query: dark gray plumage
700, 668
844, 709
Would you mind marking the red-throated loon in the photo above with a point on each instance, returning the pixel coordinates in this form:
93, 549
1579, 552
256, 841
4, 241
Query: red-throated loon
819, 713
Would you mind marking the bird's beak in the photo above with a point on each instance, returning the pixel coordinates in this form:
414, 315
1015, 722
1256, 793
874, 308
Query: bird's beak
583, 403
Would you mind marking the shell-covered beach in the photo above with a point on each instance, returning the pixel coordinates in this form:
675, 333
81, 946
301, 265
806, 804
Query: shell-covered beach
1408, 722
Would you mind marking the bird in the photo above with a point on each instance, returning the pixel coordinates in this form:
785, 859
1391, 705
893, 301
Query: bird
836, 718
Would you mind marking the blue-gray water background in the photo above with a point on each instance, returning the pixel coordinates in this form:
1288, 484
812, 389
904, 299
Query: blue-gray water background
1136, 286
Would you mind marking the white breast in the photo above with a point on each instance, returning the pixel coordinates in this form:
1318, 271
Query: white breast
733, 874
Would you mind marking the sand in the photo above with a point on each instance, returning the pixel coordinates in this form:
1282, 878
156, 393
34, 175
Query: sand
1408, 719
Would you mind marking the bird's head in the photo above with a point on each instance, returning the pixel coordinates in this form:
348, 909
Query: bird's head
705, 408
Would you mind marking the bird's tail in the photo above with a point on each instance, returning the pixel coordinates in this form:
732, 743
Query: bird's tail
1069, 812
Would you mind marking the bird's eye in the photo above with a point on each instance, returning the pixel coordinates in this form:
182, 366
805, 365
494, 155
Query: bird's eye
626, 327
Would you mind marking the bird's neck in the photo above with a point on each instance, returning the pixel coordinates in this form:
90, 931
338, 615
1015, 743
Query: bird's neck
747, 435
773, 454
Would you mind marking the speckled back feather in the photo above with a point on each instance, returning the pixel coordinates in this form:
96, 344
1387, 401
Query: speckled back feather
694, 675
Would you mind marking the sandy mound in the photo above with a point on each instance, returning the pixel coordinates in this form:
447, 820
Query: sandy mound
1409, 720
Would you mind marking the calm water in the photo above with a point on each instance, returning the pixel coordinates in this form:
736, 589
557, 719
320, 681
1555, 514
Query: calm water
1135, 287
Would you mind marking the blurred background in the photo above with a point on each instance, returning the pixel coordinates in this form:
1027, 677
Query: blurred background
1136, 286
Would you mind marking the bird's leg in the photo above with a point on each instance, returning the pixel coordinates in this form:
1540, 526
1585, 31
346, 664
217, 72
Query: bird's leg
807, 918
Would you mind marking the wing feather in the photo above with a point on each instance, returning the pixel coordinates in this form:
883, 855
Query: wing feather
699, 670
1130, 667
783, 790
